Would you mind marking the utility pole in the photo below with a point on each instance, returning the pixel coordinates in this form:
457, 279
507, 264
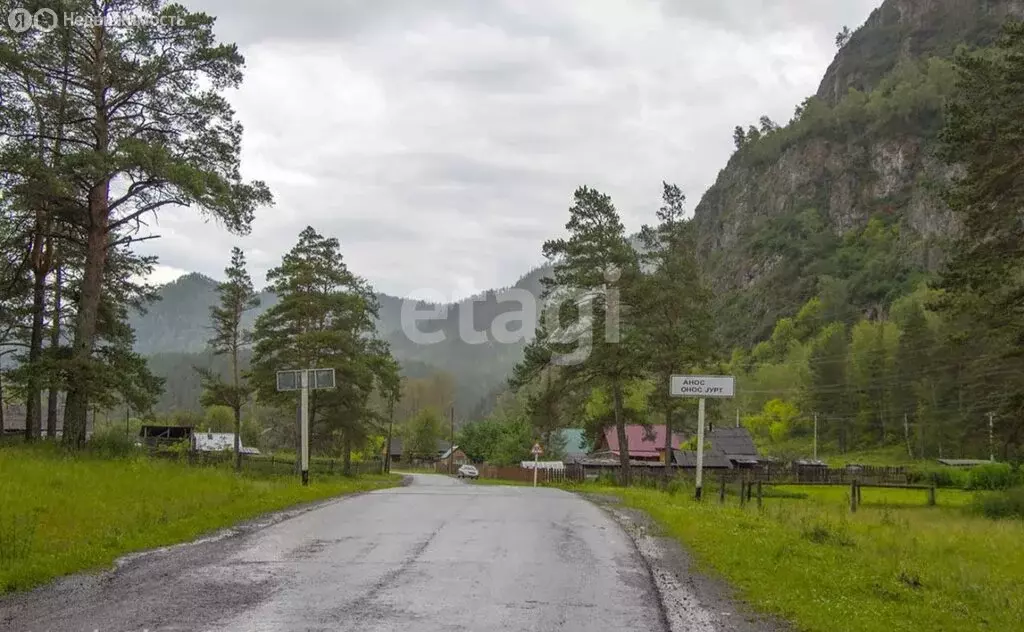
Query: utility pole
991, 442
815, 436
304, 403
700, 447
451, 448
737, 417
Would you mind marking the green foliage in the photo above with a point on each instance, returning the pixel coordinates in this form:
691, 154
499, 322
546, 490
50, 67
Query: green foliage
112, 443
219, 419
992, 476
422, 433
776, 421
1000, 505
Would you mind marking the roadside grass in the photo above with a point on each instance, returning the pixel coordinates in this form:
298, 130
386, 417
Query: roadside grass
895, 565
63, 514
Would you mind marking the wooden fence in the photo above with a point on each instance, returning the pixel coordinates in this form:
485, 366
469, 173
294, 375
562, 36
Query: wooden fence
271, 465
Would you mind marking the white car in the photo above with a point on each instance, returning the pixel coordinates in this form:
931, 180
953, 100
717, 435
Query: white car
467, 471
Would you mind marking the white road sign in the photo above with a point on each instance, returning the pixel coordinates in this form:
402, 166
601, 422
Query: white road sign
702, 386
537, 450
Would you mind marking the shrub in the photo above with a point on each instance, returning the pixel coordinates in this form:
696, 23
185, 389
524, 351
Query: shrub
992, 476
1003, 504
939, 475
111, 443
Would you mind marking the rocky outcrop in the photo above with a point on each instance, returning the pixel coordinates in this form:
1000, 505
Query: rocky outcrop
903, 29
853, 177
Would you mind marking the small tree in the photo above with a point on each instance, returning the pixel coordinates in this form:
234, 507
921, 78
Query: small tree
843, 37
422, 434
237, 297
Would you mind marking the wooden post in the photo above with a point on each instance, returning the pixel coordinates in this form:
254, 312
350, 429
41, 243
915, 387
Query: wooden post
743, 490
721, 491
750, 490
853, 496
760, 495
931, 495
860, 499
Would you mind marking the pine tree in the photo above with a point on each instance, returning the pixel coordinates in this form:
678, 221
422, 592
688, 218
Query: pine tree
983, 287
324, 318
237, 297
141, 124
595, 265
672, 305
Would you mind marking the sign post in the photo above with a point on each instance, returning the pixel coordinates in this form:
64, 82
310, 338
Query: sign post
536, 451
702, 387
303, 381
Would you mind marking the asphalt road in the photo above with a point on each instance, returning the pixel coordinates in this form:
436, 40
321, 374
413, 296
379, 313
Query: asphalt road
436, 555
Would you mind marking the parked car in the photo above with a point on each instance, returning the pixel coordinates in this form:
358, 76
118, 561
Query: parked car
467, 471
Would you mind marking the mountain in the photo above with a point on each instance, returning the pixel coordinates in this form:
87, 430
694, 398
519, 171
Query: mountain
795, 204
173, 332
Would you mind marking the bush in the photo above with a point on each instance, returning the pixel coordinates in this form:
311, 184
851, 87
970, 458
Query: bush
939, 475
997, 505
111, 443
992, 476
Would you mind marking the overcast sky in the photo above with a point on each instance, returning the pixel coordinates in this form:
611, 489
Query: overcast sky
441, 141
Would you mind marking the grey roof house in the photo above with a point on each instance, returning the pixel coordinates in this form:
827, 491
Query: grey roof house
736, 445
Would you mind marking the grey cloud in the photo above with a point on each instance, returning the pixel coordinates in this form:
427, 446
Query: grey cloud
441, 142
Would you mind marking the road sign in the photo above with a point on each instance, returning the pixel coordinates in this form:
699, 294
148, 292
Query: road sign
702, 386
322, 378
537, 450
289, 380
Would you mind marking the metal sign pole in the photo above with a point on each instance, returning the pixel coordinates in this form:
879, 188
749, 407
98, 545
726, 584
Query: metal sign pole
535, 457
304, 398
700, 447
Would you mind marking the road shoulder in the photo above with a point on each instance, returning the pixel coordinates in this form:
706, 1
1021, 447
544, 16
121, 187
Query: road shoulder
690, 600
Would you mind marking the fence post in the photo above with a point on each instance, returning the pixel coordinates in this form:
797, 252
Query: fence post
743, 490
931, 495
721, 491
860, 499
853, 496
760, 495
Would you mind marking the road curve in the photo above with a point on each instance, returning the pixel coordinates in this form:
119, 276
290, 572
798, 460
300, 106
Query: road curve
436, 555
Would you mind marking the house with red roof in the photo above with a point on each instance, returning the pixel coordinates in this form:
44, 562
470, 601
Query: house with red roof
645, 443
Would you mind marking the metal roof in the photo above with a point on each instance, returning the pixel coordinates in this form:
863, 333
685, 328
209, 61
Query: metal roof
542, 465
712, 460
213, 441
736, 442
963, 462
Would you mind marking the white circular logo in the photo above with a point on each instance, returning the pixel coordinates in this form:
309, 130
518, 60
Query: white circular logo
45, 25
20, 20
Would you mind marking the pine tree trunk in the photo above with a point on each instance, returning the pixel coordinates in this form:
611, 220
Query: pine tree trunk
54, 389
1, 403
620, 428
347, 455
33, 390
76, 408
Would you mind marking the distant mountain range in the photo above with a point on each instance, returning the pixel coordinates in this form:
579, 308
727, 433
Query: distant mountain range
178, 324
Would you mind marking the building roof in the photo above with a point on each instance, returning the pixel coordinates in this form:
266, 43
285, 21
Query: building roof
575, 441
736, 443
14, 414
448, 452
542, 465
712, 460
963, 462
643, 442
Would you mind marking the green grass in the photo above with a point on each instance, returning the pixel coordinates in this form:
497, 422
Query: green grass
60, 514
896, 565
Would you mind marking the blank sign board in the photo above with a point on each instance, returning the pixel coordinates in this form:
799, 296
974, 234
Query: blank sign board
321, 378
289, 380
702, 386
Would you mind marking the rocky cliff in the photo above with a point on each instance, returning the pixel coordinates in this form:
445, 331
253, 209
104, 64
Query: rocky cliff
864, 147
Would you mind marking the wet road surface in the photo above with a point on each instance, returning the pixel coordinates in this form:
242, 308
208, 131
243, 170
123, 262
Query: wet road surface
435, 555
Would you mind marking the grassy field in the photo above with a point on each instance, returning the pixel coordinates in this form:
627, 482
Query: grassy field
896, 565
60, 515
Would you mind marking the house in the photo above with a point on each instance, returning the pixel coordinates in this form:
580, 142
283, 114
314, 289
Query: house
645, 443
713, 460
737, 445
397, 452
14, 416
459, 458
